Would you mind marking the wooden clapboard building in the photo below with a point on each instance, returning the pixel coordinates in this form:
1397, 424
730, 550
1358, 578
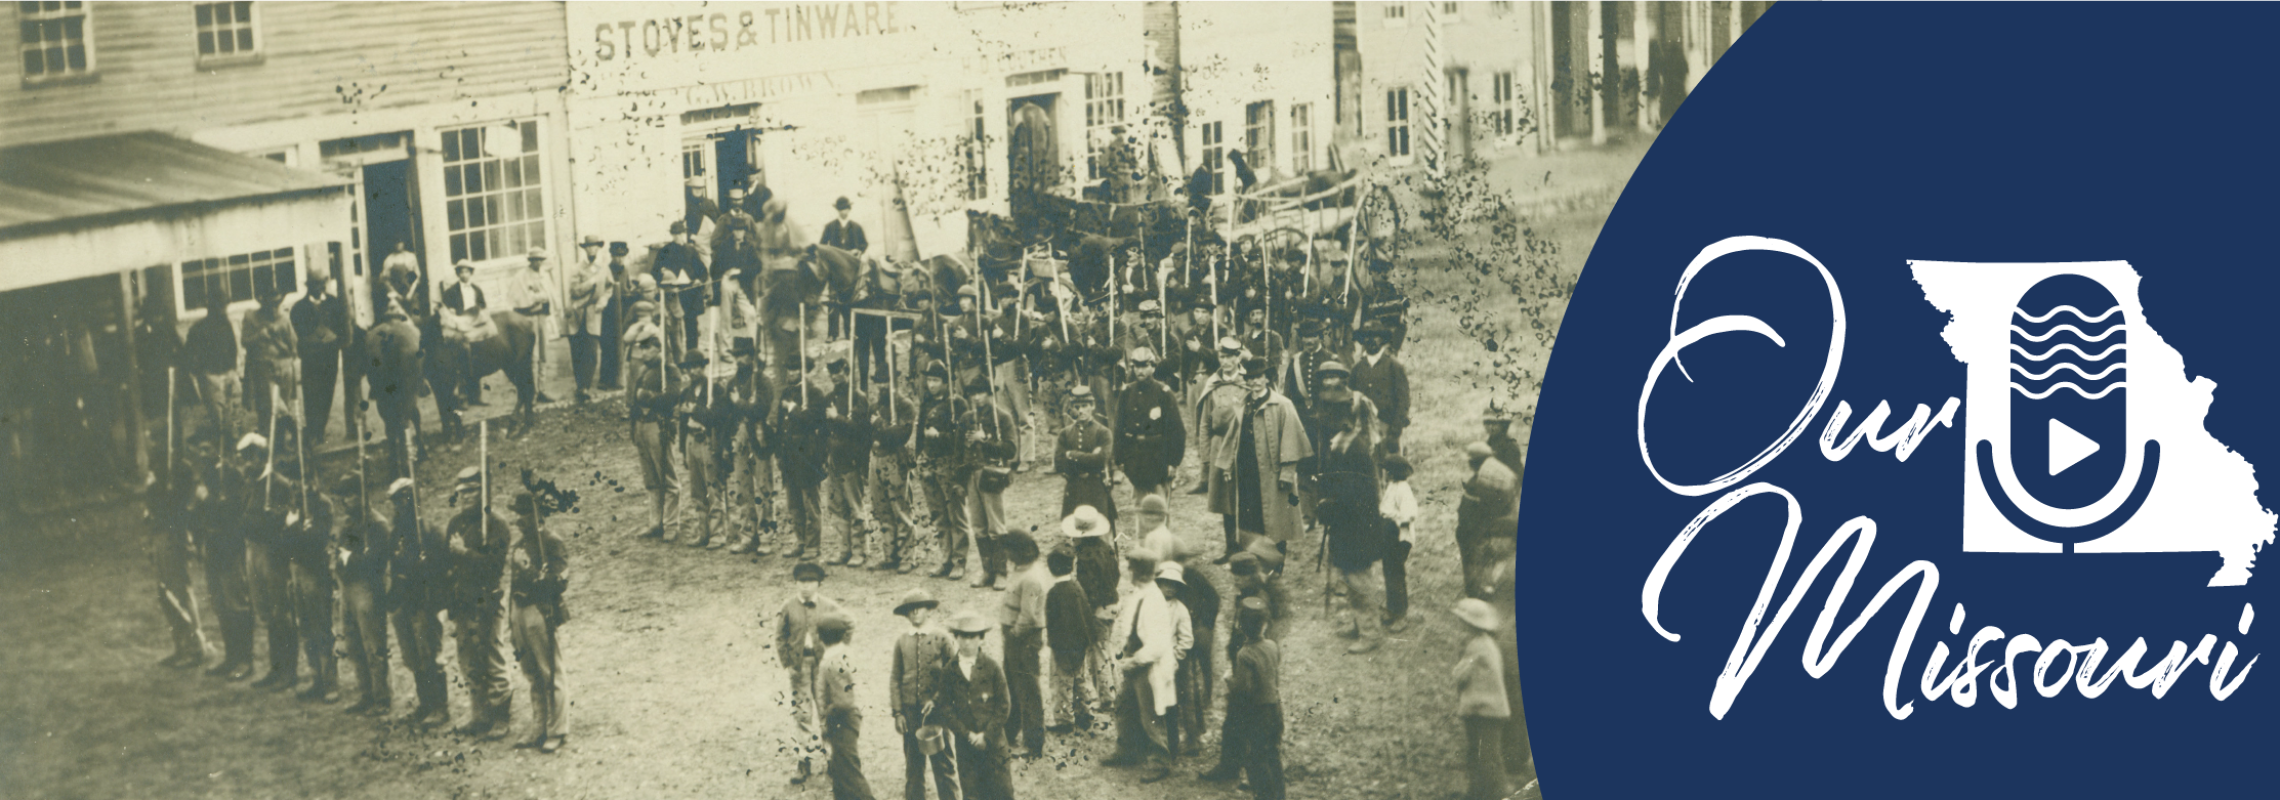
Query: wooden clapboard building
158, 155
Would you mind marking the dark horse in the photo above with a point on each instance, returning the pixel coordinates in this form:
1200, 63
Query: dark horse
450, 364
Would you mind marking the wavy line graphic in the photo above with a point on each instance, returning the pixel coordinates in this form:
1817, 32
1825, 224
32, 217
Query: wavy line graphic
2070, 385
2064, 365
2069, 309
2102, 335
2046, 354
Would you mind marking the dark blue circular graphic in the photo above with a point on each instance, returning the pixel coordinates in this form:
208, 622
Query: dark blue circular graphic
2021, 484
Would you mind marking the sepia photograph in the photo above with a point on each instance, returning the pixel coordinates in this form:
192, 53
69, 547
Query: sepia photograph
755, 399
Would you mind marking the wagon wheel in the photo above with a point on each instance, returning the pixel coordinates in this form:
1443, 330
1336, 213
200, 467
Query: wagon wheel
1378, 219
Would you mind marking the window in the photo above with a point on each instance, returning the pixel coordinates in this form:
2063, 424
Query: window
1396, 11
1449, 11
1215, 155
976, 145
491, 180
225, 30
1301, 138
54, 40
235, 278
1104, 110
693, 159
1501, 98
1259, 136
1397, 123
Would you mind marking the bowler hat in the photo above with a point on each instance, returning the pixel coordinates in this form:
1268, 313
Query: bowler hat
678, 226
695, 360
807, 571
969, 623
1477, 613
916, 598
1154, 504
1254, 367
842, 204
619, 249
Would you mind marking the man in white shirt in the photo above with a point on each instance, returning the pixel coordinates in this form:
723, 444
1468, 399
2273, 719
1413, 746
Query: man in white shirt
532, 295
582, 315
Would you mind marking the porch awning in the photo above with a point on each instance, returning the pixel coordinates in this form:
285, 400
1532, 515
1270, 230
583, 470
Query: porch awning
100, 205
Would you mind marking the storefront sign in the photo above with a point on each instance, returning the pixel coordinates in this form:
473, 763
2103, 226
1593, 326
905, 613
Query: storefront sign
638, 38
755, 90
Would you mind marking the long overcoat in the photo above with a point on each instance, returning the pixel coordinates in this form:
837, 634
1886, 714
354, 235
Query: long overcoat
1280, 438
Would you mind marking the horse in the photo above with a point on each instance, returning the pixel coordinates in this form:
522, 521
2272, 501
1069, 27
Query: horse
450, 364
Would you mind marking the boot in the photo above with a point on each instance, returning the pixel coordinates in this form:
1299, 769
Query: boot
745, 545
501, 720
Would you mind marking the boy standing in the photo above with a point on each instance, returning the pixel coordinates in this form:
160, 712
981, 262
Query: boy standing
1023, 616
921, 656
1070, 630
1398, 505
801, 651
842, 720
974, 691
1480, 699
1254, 701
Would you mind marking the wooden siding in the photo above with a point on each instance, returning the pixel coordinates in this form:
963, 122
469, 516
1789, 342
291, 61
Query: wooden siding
316, 59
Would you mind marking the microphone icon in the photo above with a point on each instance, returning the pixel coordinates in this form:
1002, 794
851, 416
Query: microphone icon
2069, 400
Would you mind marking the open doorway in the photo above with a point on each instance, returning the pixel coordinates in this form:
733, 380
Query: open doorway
391, 216
1032, 155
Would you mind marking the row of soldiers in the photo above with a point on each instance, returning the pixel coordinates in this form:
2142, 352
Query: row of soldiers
311, 562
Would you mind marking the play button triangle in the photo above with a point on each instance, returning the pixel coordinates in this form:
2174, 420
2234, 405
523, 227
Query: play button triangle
2068, 447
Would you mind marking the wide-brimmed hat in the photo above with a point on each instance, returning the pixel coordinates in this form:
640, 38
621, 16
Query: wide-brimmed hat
537, 254
1478, 613
1169, 570
916, 598
807, 571
591, 240
970, 623
1084, 523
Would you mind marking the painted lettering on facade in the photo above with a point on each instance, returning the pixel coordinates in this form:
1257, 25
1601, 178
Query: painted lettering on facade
727, 32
